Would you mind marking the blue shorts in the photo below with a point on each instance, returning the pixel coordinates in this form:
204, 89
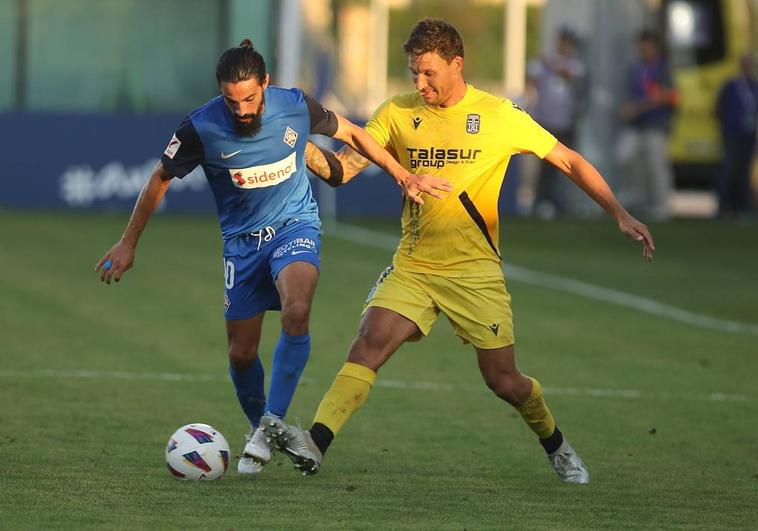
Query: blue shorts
253, 261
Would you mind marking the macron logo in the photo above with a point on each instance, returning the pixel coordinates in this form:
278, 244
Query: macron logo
266, 174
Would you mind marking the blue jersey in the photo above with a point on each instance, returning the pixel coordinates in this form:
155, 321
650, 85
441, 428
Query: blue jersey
257, 181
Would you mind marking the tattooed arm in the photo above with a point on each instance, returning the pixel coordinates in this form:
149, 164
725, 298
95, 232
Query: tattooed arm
338, 168
334, 168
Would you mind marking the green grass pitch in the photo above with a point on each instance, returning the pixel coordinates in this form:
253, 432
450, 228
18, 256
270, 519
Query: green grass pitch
663, 412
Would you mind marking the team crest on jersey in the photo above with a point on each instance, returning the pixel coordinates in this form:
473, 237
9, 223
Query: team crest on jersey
472, 123
290, 137
172, 147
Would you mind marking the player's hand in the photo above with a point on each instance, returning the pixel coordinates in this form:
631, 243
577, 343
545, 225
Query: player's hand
638, 231
115, 262
417, 184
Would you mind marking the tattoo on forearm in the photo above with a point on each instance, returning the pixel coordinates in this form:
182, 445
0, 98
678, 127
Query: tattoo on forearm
316, 162
353, 162
324, 164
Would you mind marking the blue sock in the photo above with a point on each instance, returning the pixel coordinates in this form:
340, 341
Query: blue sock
290, 357
249, 386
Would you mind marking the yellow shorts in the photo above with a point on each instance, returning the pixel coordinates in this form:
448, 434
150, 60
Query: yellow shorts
479, 308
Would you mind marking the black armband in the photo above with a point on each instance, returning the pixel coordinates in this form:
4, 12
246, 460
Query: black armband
335, 168
323, 121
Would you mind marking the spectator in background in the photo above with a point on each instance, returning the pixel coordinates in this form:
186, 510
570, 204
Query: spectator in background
737, 112
558, 85
646, 114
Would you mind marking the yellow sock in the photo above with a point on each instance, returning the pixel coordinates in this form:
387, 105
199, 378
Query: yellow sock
535, 413
347, 393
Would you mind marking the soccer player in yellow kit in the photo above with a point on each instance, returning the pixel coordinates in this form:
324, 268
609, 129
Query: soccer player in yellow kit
448, 259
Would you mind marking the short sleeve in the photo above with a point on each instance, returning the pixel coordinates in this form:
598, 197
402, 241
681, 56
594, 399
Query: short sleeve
526, 135
184, 152
323, 121
379, 124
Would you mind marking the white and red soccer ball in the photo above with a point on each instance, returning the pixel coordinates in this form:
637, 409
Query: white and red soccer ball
197, 452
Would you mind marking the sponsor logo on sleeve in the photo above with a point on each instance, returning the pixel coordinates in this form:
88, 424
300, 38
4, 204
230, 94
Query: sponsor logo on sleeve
265, 174
172, 147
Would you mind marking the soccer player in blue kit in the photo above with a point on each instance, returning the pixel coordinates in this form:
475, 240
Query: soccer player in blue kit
250, 141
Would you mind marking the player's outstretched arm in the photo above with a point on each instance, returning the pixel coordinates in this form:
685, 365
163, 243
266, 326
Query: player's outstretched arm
121, 255
413, 184
589, 179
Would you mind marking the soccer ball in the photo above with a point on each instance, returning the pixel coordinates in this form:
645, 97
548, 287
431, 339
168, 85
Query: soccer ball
197, 452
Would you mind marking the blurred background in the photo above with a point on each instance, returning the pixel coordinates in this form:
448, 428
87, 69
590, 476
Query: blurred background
90, 92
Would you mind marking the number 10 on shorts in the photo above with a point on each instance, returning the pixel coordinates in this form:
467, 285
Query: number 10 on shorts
228, 274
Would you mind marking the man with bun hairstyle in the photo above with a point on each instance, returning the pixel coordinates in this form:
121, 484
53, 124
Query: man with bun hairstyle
250, 141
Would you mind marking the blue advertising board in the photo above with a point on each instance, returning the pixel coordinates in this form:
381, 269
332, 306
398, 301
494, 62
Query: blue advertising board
89, 161
101, 161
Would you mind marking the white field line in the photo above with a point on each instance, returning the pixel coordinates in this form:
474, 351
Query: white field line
87, 374
384, 241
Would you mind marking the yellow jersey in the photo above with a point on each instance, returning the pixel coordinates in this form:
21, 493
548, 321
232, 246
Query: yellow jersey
470, 145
